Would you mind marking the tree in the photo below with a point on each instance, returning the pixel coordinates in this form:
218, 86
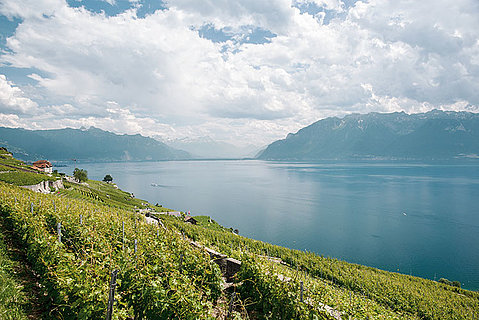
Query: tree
80, 175
108, 178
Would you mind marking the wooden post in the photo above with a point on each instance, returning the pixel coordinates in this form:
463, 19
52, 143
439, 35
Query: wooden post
230, 309
111, 297
31, 207
59, 231
81, 219
54, 206
123, 229
181, 263
301, 292
136, 245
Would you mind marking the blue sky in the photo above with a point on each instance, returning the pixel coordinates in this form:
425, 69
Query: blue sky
243, 71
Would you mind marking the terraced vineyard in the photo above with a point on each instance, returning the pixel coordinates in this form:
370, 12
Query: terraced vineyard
74, 239
378, 294
160, 275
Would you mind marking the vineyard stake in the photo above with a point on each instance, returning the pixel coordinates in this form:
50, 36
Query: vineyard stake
181, 263
301, 293
136, 245
31, 207
230, 310
81, 219
123, 238
54, 206
111, 298
59, 231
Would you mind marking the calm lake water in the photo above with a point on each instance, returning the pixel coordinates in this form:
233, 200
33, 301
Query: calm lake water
417, 218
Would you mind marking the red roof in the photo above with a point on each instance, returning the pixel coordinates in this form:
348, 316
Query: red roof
42, 164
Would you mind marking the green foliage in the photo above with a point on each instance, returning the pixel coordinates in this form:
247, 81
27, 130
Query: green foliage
108, 178
271, 297
21, 178
106, 193
401, 294
16, 172
207, 222
80, 174
167, 278
11, 294
450, 283
76, 272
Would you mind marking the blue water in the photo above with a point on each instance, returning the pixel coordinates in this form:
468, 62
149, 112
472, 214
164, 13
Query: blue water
415, 218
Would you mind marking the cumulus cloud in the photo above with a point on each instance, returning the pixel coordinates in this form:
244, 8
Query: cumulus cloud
157, 76
12, 98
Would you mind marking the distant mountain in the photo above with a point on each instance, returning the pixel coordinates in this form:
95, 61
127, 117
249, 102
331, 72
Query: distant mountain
206, 147
432, 135
93, 145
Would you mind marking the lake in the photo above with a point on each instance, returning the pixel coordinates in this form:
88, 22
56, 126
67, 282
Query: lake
415, 218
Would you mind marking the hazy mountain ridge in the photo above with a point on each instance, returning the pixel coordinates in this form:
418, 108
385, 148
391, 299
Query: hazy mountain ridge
93, 145
206, 147
432, 135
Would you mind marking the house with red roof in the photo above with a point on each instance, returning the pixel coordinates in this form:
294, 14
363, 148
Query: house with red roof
43, 165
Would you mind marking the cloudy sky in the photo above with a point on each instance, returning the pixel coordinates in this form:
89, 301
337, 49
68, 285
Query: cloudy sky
244, 71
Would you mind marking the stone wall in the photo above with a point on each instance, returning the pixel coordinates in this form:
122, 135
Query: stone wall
45, 186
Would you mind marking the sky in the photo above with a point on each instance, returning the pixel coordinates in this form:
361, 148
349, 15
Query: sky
243, 71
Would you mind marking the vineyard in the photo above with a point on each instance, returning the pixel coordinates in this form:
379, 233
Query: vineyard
160, 275
374, 293
75, 239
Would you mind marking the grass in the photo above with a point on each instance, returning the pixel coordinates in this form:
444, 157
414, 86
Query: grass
207, 222
11, 291
16, 172
106, 193
20, 178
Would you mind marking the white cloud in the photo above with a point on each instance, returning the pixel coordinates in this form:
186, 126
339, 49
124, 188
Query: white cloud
10, 121
12, 98
157, 76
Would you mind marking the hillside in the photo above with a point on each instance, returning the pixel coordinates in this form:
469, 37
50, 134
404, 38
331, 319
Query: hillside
82, 144
432, 135
165, 273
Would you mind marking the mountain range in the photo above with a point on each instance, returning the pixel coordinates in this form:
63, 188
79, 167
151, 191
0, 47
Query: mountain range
91, 144
207, 148
432, 135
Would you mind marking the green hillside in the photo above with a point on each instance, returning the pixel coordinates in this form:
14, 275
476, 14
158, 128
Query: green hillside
86, 144
163, 276
432, 135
